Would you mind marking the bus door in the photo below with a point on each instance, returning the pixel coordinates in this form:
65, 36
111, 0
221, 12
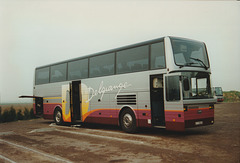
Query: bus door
76, 100
39, 105
157, 100
173, 103
66, 112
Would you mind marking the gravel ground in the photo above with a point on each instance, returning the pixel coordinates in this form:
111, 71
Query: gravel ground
42, 141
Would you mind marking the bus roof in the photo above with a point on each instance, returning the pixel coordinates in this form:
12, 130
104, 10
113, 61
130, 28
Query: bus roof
105, 52
114, 50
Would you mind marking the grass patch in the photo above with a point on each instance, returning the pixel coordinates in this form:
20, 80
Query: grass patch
231, 96
9, 115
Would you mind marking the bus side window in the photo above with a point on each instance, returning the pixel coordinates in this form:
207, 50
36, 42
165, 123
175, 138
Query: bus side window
157, 56
78, 69
102, 65
58, 73
132, 60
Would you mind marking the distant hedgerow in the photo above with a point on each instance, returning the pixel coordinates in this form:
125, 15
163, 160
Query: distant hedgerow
10, 115
231, 96
5, 116
26, 114
32, 116
20, 116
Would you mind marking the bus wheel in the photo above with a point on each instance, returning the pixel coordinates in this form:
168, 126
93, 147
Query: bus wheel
128, 121
58, 117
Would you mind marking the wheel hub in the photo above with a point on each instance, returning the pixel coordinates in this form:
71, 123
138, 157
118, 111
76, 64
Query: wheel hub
127, 120
58, 117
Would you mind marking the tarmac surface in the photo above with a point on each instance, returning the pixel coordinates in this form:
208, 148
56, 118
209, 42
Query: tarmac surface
40, 140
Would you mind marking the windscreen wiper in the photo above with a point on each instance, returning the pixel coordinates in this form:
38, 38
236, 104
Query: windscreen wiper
200, 61
186, 64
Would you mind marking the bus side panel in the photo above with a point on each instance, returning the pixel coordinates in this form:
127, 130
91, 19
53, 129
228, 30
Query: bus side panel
174, 120
102, 110
102, 116
143, 111
49, 105
48, 110
144, 118
52, 97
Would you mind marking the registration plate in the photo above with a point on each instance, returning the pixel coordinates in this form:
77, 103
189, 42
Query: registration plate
199, 123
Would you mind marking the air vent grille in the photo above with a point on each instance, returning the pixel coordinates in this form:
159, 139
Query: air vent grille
126, 100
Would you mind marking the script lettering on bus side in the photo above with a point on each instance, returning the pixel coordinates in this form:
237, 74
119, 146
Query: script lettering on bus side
103, 89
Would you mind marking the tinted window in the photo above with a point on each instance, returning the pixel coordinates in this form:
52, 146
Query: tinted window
157, 56
172, 88
132, 60
42, 76
102, 65
58, 72
78, 69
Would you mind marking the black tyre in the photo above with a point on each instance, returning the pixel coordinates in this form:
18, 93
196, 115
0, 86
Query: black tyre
58, 117
128, 121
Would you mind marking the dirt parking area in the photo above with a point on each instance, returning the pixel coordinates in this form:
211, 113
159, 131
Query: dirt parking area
42, 141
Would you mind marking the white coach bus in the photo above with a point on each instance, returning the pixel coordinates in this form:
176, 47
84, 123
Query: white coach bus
218, 94
163, 82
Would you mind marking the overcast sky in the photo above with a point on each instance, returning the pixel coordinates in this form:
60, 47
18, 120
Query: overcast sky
38, 32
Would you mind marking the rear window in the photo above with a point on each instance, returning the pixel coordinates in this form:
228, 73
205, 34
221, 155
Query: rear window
42, 76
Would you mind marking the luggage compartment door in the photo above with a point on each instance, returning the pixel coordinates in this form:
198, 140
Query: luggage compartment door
39, 106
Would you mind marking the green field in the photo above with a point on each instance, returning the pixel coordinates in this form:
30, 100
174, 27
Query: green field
231, 96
